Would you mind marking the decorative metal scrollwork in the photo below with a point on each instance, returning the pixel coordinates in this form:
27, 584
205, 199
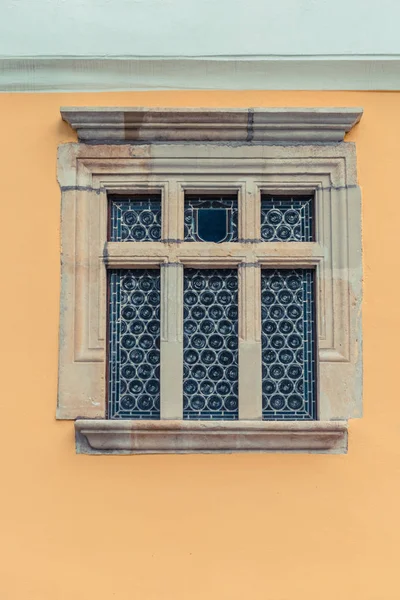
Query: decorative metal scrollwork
211, 219
210, 386
287, 219
135, 219
134, 344
288, 344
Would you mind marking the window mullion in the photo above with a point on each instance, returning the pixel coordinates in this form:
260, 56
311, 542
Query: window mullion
172, 217
171, 341
250, 385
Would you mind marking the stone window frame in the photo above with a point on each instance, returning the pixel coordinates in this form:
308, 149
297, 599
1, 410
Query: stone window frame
245, 151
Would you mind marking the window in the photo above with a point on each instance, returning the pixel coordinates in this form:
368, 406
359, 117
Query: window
210, 293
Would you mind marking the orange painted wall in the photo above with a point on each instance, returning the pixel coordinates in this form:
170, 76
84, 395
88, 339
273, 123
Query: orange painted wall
263, 527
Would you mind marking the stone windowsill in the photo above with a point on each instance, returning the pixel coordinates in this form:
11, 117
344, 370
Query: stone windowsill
95, 436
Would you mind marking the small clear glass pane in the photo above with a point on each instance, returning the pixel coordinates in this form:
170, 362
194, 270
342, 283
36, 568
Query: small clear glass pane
287, 218
288, 344
134, 344
211, 219
135, 218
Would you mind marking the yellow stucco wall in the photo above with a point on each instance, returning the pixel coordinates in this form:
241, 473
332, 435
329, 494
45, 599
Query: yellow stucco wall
262, 527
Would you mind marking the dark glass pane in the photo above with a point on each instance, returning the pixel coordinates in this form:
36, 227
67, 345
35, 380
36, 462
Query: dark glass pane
211, 219
134, 344
210, 372
212, 224
135, 218
287, 219
288, 344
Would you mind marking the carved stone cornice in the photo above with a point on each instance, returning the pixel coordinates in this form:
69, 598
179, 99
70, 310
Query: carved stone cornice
241, 126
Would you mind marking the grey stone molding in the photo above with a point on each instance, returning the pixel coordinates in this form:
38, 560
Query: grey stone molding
95, 436
251, 126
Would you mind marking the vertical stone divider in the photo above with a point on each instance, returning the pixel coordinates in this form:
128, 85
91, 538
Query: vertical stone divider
249, 199
250, 385
172, 212
172, 307
171, 341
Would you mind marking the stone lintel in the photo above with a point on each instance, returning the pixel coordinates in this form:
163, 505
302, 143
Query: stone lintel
251, 125
189, 437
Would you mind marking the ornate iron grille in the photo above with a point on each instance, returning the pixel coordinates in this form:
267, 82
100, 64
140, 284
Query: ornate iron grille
135, 218
211, 219
287, 219
288, 344
134, 344
210, 377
